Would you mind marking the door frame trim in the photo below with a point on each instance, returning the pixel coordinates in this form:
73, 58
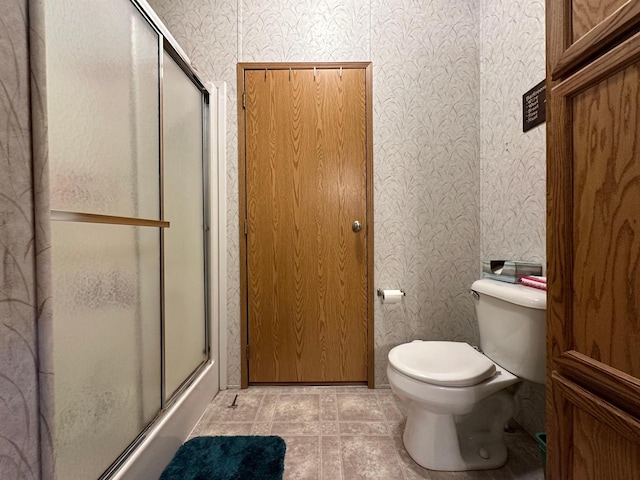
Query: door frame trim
242, 204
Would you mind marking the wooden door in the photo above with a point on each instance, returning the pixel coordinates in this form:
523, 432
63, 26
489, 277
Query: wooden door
593, 240
306, 184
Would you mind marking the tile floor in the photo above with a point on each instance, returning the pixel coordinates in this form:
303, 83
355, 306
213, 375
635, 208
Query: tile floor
347, 433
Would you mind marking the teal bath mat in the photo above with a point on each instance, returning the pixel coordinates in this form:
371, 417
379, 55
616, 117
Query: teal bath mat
228, 458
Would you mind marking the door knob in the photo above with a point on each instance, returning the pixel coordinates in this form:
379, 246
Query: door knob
356, 227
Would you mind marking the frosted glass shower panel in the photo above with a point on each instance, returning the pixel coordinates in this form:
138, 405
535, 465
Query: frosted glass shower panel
184, 242
102, 64
106, 337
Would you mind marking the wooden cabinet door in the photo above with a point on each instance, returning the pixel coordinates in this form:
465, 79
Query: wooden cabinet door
593, 248
588, 14
584, 29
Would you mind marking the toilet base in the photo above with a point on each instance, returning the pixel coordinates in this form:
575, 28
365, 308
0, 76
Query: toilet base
457, 443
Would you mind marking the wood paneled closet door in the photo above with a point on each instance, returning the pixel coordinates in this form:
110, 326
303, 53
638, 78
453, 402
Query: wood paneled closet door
593, 240
306, 201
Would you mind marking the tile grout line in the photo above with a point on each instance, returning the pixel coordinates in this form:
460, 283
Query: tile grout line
258, 410
320, 463
320, 437
340, 457
392, 440
275, 408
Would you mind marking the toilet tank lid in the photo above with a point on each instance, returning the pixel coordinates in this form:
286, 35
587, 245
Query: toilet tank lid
513, 293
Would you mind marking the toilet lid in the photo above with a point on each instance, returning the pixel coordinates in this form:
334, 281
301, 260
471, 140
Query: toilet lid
451, 364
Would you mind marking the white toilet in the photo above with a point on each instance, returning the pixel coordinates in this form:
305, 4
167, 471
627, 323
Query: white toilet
459, 400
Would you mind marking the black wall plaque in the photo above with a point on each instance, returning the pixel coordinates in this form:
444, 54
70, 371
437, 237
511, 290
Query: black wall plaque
534, 106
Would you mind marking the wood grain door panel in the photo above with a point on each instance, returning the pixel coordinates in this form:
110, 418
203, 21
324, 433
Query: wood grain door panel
587, 14
306, 183
604, 440
601, 453
593, 248
603, 102
606, 202
588, 29
613, 386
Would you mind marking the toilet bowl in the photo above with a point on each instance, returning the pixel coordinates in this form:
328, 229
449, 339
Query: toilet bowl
434, 435
460, 398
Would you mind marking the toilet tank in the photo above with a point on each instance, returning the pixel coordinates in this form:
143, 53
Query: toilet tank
512, 323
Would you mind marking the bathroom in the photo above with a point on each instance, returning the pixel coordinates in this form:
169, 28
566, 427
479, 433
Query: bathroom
461, 184
455, 178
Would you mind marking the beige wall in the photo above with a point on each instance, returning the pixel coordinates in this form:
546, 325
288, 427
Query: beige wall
512, 163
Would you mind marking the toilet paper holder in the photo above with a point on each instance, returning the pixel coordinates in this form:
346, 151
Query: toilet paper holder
380, 290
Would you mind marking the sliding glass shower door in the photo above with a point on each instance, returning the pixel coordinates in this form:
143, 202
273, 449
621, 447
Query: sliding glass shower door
127, 145
184, 261
102, 77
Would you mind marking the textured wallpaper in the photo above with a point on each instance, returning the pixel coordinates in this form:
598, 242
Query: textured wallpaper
19, 415
426, 170
304, 31
512, 61
426, 139
513, 164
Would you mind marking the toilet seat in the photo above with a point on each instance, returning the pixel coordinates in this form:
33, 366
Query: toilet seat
450, 364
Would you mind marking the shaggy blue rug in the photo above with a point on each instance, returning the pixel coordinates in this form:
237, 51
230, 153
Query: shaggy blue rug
228, 458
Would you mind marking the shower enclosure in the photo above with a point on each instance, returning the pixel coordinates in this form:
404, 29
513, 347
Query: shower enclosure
129, 154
